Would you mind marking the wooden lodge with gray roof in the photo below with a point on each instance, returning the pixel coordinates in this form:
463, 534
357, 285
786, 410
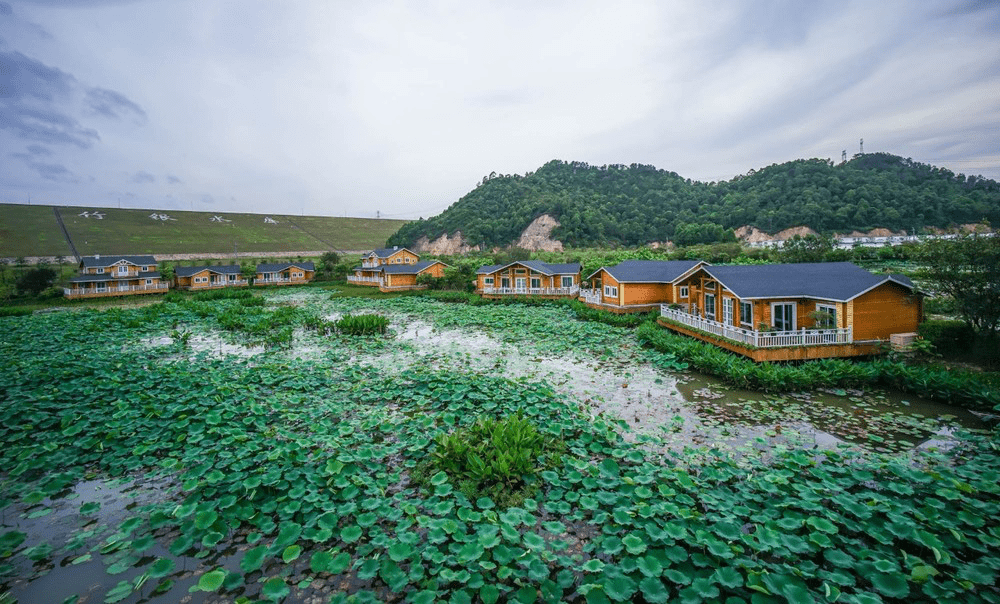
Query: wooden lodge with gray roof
208, 277
394, 269
285, 273
637, 285
779, 312
529, 278
105, 276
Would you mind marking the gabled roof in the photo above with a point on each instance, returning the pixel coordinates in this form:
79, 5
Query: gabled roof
835, 281
409, 269
273, 268
649, 271
385, 252
187, 271
95, 261
536, 265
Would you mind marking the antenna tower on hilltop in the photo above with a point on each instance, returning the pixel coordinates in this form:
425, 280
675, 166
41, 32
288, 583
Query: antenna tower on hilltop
843, 156
862, 146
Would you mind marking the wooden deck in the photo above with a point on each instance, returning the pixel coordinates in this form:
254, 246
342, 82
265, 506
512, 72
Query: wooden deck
785, 353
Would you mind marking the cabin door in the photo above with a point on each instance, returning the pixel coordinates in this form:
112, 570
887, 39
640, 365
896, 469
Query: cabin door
520, 283
505, 282
727, 311
783, 316
710, 306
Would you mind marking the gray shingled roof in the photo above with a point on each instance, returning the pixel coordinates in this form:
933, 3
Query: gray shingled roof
89, 261
409, 269
187, 271
836, 281
273, 268
385, 252
649, 271
535, 265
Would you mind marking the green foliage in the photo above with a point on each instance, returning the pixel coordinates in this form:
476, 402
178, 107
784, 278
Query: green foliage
14, 311
494, 458
35, 281
970, 389
637, 204
950, 338
967, 269
362, 325
308, 463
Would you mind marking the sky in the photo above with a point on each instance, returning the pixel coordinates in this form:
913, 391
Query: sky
397, 109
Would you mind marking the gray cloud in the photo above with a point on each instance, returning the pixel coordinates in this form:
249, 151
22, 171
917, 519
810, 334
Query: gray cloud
142, 177
113, 104
31, 99
5, 9
173, 180
38, 150
47, 171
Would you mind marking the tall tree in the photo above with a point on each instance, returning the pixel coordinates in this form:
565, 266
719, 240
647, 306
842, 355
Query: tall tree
968, 269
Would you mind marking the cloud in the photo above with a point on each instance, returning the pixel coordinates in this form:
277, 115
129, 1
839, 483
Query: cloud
113, 104
5, 9
32, 99
38, 150
173, 180
47, 171
142, 177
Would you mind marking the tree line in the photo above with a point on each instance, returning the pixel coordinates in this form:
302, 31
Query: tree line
638, 204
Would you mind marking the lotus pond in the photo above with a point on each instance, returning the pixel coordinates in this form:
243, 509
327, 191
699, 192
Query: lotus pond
246, 450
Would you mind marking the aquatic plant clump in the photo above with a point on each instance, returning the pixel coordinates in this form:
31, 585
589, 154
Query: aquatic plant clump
362, 325
495, 458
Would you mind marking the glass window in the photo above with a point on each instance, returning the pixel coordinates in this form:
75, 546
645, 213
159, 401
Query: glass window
567, 281
710, 306
610, 291
826, 316
684, 292
783, 316
536, 283
487, 280
746, 313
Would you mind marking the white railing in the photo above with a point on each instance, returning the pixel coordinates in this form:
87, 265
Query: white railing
590, 296
80, 291
760, 339
353, 279
532, 291
367, 264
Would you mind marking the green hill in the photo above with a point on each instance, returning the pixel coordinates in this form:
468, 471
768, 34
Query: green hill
637, 204
35, 231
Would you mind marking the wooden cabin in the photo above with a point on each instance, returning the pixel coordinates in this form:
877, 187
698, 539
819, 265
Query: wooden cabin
637, 285
394, 269
208, 277
285, 273
529, 278
369, 273
794, 311
103, 276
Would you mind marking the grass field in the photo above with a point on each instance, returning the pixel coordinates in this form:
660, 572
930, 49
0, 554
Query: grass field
34, 231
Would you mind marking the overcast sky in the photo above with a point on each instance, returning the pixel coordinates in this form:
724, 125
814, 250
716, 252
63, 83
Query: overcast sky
350, 108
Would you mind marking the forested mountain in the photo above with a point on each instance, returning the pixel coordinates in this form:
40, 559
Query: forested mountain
637, 204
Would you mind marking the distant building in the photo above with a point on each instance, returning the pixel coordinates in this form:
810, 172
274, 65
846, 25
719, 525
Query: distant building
103, 276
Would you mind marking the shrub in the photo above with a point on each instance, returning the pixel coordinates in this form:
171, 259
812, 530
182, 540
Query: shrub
362, 325
14, 311
495, 458
950, 338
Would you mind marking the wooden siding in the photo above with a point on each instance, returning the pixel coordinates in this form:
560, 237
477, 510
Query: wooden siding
646, 293
400, 257
889, 308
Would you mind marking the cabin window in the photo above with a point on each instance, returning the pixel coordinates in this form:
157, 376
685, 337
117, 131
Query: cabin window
684, 292
232, 277
783, 316
567, 281
149, 281
710, 285
102, 287
610, 291
145, 269
100, 271
536, 283
826, 316
488, 281
297, 275
710, 306
746, 313
520, 271
123, 270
